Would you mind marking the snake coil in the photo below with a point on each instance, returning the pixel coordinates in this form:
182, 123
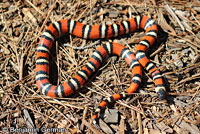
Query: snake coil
98, 32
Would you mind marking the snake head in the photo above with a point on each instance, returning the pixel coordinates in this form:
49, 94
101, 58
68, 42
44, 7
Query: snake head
161, 92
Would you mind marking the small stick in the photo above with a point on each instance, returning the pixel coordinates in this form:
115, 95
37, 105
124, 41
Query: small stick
84, 115
139, 123
190, 78
122, 126
95, 131
37, 9
157, 51
174, 16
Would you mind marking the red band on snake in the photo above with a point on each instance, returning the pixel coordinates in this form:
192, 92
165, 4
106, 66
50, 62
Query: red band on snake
98, 32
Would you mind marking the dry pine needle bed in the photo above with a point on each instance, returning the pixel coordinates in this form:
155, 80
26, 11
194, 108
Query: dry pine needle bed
176, 52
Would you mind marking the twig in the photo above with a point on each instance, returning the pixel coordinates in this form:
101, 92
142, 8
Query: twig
37, 9
195, 76
139, 123
174, 16
85, 47
84, 116
94, 130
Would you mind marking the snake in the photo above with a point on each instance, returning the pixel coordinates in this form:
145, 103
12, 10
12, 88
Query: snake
104, 31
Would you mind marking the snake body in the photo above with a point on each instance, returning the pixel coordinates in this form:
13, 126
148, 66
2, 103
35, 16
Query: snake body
99, 32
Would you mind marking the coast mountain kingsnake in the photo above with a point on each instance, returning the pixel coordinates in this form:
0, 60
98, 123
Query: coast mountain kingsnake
98, 32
